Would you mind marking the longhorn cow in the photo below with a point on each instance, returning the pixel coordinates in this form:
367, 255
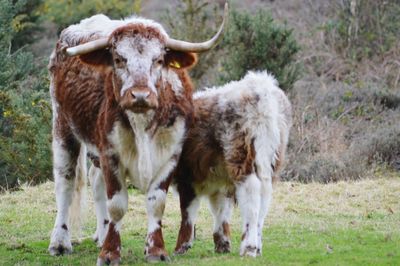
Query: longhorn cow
119, 89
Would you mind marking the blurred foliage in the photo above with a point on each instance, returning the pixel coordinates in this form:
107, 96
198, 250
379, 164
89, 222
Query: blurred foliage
256, 42
363, 29
25, 113
196, 21
20, 21
250, 43
66, 12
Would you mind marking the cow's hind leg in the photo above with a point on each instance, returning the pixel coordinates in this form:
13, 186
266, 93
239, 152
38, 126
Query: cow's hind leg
248, 197
100, 201
65, 154
221, 208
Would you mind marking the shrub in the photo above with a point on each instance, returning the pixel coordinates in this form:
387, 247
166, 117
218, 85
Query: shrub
190, 21
66, 12
24, 108
365, 28
256, 42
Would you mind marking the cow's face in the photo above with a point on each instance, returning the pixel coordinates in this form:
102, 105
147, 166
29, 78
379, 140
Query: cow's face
138, 57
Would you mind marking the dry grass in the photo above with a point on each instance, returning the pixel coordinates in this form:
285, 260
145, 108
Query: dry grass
292, 202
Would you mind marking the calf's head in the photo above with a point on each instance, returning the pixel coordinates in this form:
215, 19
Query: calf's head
138, 54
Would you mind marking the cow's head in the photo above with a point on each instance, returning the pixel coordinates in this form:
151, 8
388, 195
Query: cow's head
138, 53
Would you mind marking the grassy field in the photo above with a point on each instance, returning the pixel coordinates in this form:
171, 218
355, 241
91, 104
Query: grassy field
347, 223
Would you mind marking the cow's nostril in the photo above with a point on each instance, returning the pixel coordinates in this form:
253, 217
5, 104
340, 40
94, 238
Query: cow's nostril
140, 95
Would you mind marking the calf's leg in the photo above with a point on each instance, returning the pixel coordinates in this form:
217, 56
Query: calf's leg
265, 202
248, 197
189, 205
221, 208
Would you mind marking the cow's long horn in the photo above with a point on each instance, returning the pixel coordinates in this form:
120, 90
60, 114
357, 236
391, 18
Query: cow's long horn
199, 47
87, 47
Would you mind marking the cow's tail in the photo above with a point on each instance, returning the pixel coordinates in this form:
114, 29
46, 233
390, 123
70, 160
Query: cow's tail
78, 204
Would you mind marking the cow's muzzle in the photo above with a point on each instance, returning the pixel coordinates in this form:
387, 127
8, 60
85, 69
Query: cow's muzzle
139, 100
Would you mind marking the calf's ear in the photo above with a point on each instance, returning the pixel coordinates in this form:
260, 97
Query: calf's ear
100, 57
180, 60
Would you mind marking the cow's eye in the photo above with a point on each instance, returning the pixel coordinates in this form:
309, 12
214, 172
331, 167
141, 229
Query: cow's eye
118, 61
159, 61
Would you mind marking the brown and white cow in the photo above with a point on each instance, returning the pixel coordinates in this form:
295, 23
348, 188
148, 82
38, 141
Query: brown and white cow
120, 89
234, 148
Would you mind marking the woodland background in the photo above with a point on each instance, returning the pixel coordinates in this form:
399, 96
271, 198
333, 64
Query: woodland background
338, 60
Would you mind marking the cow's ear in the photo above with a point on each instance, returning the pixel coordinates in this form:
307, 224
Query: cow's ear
101, 57
178, 59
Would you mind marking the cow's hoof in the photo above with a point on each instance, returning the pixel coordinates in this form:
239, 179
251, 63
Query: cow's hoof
249, 251
223, 247
157, 258
58, 249
102, 262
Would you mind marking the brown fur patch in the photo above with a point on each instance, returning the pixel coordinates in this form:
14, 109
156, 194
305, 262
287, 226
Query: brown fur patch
97, 58
240, 162
178, 59
171, 105
155, 244
110, 167
112, 245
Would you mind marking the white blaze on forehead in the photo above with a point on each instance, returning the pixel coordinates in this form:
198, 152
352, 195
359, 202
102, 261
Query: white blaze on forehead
140, 54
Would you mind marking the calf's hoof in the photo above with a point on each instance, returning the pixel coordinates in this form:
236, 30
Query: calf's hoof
57, 249
223, 247
107, 261
182, 249
157, 258
249, 251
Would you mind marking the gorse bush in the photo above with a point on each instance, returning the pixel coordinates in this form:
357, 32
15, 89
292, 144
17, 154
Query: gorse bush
256, 42
25, 113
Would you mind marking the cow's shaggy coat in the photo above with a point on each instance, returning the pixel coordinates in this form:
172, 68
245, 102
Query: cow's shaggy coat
129, 105
233, 150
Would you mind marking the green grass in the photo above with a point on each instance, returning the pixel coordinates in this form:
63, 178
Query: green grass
348, 223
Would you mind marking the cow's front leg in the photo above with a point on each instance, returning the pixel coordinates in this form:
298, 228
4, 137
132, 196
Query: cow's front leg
155, 204
117, 205
100, 201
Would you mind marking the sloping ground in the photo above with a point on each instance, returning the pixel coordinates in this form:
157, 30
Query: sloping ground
342, 223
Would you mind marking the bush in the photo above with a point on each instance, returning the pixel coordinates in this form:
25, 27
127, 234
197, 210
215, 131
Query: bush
24, 108
256, 42
190, 21
367, 28
67, 12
